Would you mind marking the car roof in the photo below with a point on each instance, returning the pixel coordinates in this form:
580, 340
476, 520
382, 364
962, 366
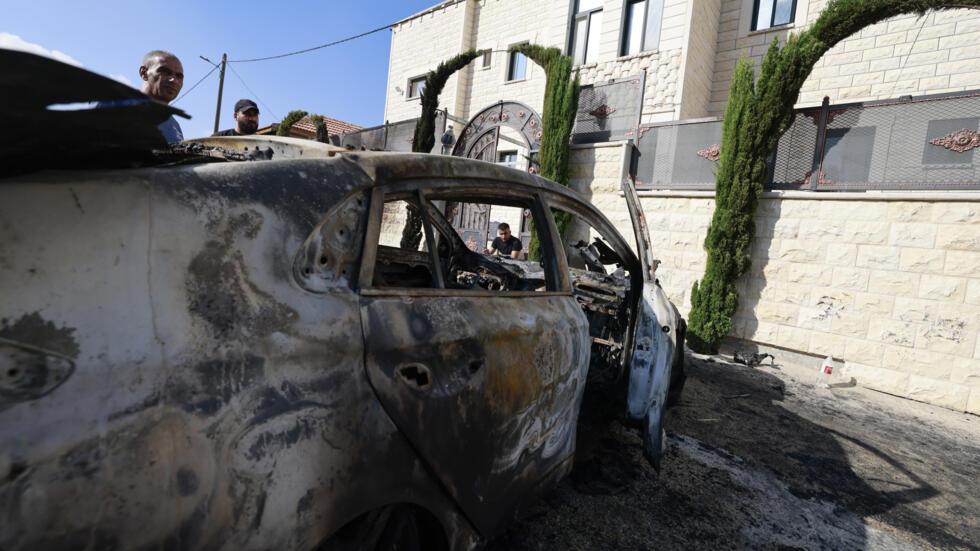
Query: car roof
382, 167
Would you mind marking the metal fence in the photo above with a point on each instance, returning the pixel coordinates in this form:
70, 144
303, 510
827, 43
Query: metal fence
608, 111
929, 142
393, 136
677, 155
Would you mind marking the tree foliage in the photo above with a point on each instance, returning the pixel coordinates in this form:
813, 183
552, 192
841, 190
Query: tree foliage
320, 127
759, 111
425, 129
561, 92
288, 121
424, 138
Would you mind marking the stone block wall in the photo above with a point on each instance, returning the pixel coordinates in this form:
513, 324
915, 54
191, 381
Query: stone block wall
418, 45
903, 55
890, 286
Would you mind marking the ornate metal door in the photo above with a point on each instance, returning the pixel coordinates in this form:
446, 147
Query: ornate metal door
472, 221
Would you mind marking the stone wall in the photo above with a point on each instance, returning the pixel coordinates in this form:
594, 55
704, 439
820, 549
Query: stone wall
904, 55
418, 46
420, 43
889, 285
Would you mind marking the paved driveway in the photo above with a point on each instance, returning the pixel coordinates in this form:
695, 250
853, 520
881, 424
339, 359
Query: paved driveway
760, 460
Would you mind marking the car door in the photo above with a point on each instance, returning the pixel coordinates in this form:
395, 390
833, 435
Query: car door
654, 342
485, 384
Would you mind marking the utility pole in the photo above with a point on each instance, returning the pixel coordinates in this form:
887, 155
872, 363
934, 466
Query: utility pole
221, 87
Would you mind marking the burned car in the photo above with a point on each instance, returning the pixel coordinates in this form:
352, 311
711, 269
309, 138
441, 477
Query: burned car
230, 344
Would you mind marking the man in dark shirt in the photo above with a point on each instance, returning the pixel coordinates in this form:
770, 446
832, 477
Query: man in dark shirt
246, 119
505, 244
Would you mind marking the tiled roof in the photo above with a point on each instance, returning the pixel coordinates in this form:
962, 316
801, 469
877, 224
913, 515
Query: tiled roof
334, 126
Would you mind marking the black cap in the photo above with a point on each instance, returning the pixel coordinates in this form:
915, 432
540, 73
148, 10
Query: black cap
245, 105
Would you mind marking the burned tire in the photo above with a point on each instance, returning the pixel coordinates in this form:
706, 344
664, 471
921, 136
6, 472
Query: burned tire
402, 532
391, 528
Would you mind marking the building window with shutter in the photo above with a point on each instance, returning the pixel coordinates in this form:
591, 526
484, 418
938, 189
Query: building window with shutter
586, 31
772, 13
415, 87
641, 26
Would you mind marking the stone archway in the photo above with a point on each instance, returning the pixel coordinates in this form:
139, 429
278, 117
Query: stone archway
479, 140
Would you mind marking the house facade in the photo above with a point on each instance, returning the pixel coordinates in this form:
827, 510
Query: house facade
871, 255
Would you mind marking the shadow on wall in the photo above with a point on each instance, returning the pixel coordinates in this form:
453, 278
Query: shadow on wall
754, 284
744, 470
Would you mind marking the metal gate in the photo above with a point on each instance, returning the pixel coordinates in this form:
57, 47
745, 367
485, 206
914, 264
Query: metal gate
478, 140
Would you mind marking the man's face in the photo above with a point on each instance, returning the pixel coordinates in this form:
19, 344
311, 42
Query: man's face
163, 78
247, 121
504, 233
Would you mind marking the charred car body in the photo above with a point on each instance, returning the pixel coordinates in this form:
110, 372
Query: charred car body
200, 353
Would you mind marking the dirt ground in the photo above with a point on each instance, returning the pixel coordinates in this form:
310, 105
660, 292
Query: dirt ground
757, 459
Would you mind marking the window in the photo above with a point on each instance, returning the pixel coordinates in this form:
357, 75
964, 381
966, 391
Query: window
397, 266
772, 13
516, 67
507, 158
485, 64
586, 30
641, 26
415, 87
489, 249
467, 243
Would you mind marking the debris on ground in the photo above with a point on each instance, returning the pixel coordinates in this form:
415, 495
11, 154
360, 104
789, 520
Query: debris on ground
754, 359
782, 468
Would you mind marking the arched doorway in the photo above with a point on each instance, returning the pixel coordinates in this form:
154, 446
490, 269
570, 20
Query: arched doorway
507, 133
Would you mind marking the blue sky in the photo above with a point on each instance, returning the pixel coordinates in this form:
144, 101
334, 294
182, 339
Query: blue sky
110, 36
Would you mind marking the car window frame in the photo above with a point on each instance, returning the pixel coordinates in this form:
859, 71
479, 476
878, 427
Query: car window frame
555, 265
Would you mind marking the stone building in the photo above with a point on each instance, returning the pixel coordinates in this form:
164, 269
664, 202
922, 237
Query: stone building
872, 255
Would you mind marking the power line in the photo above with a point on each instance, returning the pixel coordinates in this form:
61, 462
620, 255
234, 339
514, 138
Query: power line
320, 47
348, 39
182, 96
240, 79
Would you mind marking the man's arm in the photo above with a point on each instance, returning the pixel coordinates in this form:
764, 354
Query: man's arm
493, 247
515, 253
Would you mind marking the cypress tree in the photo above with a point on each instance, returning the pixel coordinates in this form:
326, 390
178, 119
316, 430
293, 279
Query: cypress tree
557, 119
425, 129
756, 116
320, 126
714, 299
425, 132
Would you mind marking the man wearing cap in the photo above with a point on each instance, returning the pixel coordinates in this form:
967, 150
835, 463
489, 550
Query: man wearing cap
246, 119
